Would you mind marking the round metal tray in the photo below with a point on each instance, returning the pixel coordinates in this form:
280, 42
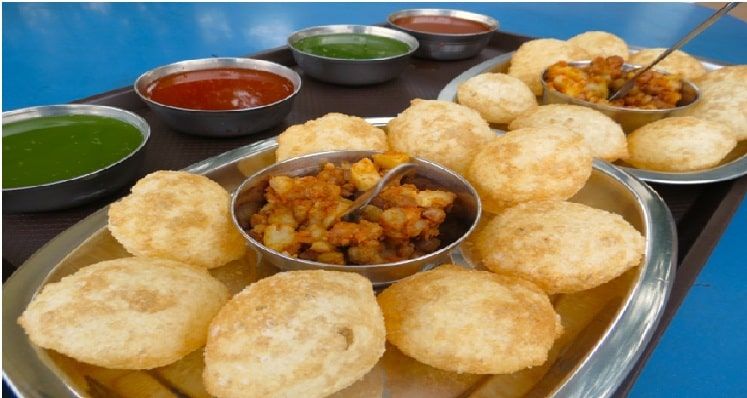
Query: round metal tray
733, 166
593, 365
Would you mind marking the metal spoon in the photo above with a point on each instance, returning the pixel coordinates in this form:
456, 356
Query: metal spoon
394, 174
698, 29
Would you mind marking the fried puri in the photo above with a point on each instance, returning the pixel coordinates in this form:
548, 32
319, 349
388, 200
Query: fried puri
533, 57
470, 321
600, 44
602, 135
498, 97
331, 132
734, 74
530, 164
723, 99
678, 62
178, 216
297, 333
561, 246
439, 131
129, 313
680, 144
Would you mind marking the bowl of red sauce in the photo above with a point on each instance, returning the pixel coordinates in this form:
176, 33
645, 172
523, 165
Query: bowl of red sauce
220, 96
444, 34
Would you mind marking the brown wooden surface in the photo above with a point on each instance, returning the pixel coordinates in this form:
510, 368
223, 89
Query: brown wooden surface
702, 212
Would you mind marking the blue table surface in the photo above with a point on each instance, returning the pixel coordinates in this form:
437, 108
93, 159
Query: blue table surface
55, 53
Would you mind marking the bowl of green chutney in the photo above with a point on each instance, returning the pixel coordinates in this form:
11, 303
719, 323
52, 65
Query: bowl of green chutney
61, 156
352, 55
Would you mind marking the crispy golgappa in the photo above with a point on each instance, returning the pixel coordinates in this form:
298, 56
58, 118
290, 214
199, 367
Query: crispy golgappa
682, 143
530, 164
723, 99
678, 62
563, 247
600, 44
115, 314
533, 57
602, 135
178, 216
297, 333
331, 132
498, 97
439, 131
428, 312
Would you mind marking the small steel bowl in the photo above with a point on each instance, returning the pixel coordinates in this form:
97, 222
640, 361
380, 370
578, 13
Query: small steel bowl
629, 118
352, 72
82, 189
248, 199
444, 46
225, 123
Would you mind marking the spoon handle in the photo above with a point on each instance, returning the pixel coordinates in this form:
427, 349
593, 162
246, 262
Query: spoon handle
698, 29
393, 175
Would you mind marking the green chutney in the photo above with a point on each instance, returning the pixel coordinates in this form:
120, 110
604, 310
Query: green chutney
54, 148
352, 46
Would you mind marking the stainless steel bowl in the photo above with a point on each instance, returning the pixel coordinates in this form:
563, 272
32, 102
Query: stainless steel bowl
443, 46
460, 221
629, 118
352, 72
228, 123
82, 189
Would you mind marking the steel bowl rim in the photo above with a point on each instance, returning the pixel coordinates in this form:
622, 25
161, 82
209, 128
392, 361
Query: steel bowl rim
80, 109
491, 22
613, 108
334, 267
242, 63
413, 43
723, 172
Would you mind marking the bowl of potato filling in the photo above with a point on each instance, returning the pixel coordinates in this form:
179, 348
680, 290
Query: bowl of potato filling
291, 213
656, 94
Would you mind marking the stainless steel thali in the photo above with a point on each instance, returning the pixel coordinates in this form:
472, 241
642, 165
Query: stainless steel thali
733, 166
609, 326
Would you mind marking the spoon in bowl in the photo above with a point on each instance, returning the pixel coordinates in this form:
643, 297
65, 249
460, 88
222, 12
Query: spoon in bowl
698, 29
394, 174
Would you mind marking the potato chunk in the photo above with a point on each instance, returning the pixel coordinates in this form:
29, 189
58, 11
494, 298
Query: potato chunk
437, 199
390, 159
364, 174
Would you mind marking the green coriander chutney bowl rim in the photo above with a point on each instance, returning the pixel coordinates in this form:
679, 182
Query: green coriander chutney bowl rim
380, 31
110, 112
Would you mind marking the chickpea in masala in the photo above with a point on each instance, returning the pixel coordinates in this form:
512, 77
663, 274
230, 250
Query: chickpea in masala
301, 216
604, 76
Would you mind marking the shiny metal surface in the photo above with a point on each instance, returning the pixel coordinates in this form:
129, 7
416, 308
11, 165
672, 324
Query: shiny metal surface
82, 189
591, 368
629, 118
460, 221
228, 123
444, 46
352, 72
733, 166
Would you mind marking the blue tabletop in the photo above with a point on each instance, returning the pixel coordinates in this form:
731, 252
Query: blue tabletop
55, 53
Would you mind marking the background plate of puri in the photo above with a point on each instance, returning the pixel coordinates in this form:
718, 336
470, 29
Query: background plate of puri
689, 143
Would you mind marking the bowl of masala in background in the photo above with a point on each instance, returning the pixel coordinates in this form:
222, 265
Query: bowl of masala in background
444, 34
352, 55
220, 97
61, 156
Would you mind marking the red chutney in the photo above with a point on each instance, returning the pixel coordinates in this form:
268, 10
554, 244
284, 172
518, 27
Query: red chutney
441, 24
220, 89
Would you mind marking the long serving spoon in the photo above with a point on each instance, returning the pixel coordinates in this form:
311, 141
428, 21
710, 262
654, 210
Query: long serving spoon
394, 174
698, 29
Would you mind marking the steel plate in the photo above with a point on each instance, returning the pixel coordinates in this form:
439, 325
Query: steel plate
594, 364
733, 166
